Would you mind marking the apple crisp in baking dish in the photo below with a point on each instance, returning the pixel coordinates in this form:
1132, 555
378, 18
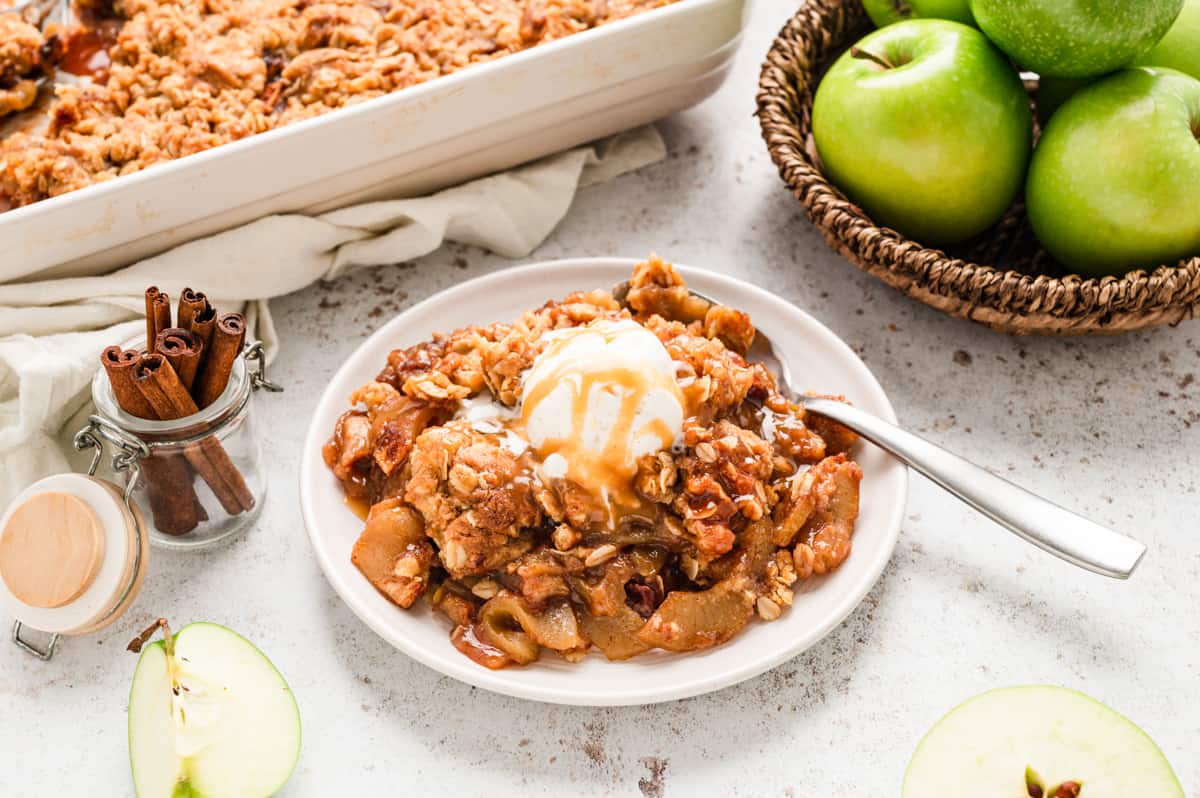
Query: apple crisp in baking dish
161, 79
608, 470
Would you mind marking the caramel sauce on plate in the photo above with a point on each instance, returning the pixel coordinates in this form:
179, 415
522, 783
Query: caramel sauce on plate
359, 505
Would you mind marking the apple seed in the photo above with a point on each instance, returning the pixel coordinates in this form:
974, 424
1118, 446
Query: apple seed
1033, 783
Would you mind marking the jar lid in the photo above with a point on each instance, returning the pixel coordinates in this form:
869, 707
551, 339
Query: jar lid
70, 554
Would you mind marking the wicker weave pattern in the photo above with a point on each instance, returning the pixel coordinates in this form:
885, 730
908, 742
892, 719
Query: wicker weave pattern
1024, 298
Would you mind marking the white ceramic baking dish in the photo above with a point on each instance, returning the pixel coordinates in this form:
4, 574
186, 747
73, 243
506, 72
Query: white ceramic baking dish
483, 119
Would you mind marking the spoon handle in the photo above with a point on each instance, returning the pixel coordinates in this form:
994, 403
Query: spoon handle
1043, 523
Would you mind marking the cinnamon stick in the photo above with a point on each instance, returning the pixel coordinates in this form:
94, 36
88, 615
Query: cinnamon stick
202, 322
183, 349
120, 365
173, 502
190, 303
158, 315
224, 348
162, 388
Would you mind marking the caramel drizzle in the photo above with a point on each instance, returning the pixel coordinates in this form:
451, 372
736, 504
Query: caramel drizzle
612, 468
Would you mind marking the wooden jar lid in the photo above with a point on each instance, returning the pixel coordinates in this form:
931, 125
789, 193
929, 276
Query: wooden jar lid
72, 555
51, 548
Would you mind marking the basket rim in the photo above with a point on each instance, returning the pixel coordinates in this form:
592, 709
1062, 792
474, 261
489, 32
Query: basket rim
1005, 299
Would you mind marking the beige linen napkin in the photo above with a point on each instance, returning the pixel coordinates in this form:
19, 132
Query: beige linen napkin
52, 331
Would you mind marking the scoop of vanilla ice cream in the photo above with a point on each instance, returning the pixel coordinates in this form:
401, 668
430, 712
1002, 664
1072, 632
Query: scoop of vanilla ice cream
598, 398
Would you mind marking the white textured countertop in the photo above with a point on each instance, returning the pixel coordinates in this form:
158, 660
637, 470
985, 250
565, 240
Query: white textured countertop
1109, 427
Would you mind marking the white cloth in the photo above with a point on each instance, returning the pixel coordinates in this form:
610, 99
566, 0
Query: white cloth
52, 331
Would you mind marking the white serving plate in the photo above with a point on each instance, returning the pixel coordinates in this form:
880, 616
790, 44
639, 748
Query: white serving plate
816, 356
482, 119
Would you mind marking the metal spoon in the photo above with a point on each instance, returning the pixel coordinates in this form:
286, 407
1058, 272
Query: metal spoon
1041, 522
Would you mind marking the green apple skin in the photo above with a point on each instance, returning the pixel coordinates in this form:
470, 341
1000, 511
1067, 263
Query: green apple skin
887, 12
1075, 38
1114, 183
1180, 47
990, 741
936, 147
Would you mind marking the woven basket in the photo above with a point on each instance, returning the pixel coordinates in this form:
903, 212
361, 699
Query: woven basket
1025, 292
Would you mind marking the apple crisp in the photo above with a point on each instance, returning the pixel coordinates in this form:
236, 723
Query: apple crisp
168, 78
700, 497
20, 63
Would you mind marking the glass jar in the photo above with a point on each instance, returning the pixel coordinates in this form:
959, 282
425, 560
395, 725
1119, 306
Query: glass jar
197, 479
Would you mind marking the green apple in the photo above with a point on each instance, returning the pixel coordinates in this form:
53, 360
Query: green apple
1180, 47
209, 717
926, 126
885, 12
1075, 38
1114, 183
1038, 742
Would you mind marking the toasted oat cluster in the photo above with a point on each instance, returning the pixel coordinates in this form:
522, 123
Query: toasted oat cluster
182, 76
20, 63
751, 497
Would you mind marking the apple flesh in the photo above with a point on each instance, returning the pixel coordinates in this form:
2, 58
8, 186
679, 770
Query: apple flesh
210, 717
1038, 742
887, 12
926, 126
1076, 39
1114, 183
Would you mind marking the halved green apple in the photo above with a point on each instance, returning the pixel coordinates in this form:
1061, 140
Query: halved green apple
1038, 742
209, 717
